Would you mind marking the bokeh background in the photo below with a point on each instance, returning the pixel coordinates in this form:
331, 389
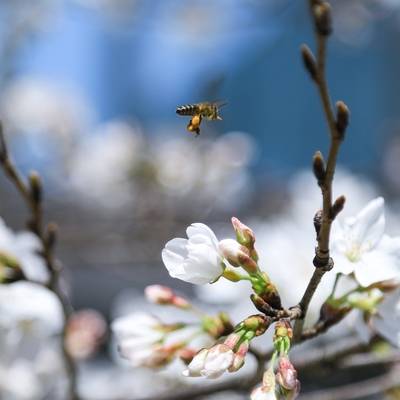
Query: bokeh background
88, 92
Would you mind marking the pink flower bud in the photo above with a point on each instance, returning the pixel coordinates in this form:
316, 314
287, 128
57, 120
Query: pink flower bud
286, 377
244, 234
187, 354
164, 295
240, 356
85, 332
237, 255
232, 340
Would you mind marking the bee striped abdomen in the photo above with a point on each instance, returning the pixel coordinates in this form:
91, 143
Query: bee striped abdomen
188, 109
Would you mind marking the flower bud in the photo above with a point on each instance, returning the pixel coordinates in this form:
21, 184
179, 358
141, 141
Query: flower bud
196, 365
164, 295
233, 340
237, 255
218, 360
267, 390
342, 118
85, 332
240, 356
257, 324
35, 186
337, 206
319, 167
286, 375
244, 234
283, 329
309, 61
323, 18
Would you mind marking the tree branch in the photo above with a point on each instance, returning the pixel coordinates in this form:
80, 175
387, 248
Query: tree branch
358, 390
31, 192
321, 16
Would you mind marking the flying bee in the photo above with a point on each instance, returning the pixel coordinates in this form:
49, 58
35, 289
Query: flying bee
198, 111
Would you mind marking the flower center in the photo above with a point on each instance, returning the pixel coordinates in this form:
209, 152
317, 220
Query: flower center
353, 253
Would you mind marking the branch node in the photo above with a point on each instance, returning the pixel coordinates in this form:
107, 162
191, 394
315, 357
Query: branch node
325, 263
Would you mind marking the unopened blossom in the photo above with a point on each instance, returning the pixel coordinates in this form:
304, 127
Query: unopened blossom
360, 247
85, 332
237, 255
286, 377
195, 260
164, 295
211, 363
267, 390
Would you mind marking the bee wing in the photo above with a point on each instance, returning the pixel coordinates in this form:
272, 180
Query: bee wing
220, 103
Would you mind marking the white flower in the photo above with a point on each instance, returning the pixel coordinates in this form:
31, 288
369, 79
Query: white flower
359, 246
102, 164
31, 308
137, 334
387, 320
24, 248
262, 393
195, 260
211, 363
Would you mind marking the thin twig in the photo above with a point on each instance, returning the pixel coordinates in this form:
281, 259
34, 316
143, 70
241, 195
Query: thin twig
322, 260
32, 194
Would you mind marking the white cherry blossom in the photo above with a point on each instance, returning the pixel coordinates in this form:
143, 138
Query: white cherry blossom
23, 247
195, 260
360, 246
31, 308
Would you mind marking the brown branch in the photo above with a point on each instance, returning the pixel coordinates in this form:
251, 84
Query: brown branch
336, 125
31, 192
358, 390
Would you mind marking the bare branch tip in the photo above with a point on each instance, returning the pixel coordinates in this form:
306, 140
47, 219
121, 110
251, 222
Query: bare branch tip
323, 18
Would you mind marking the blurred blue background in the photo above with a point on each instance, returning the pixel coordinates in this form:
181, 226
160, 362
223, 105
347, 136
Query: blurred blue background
140, 59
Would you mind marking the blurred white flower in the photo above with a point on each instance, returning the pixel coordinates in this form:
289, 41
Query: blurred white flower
101, 165
30, 308
34, 378
18, 381
137, 336
24, 248
195, 260
34, 106
387, 319
359, 246
178, 164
